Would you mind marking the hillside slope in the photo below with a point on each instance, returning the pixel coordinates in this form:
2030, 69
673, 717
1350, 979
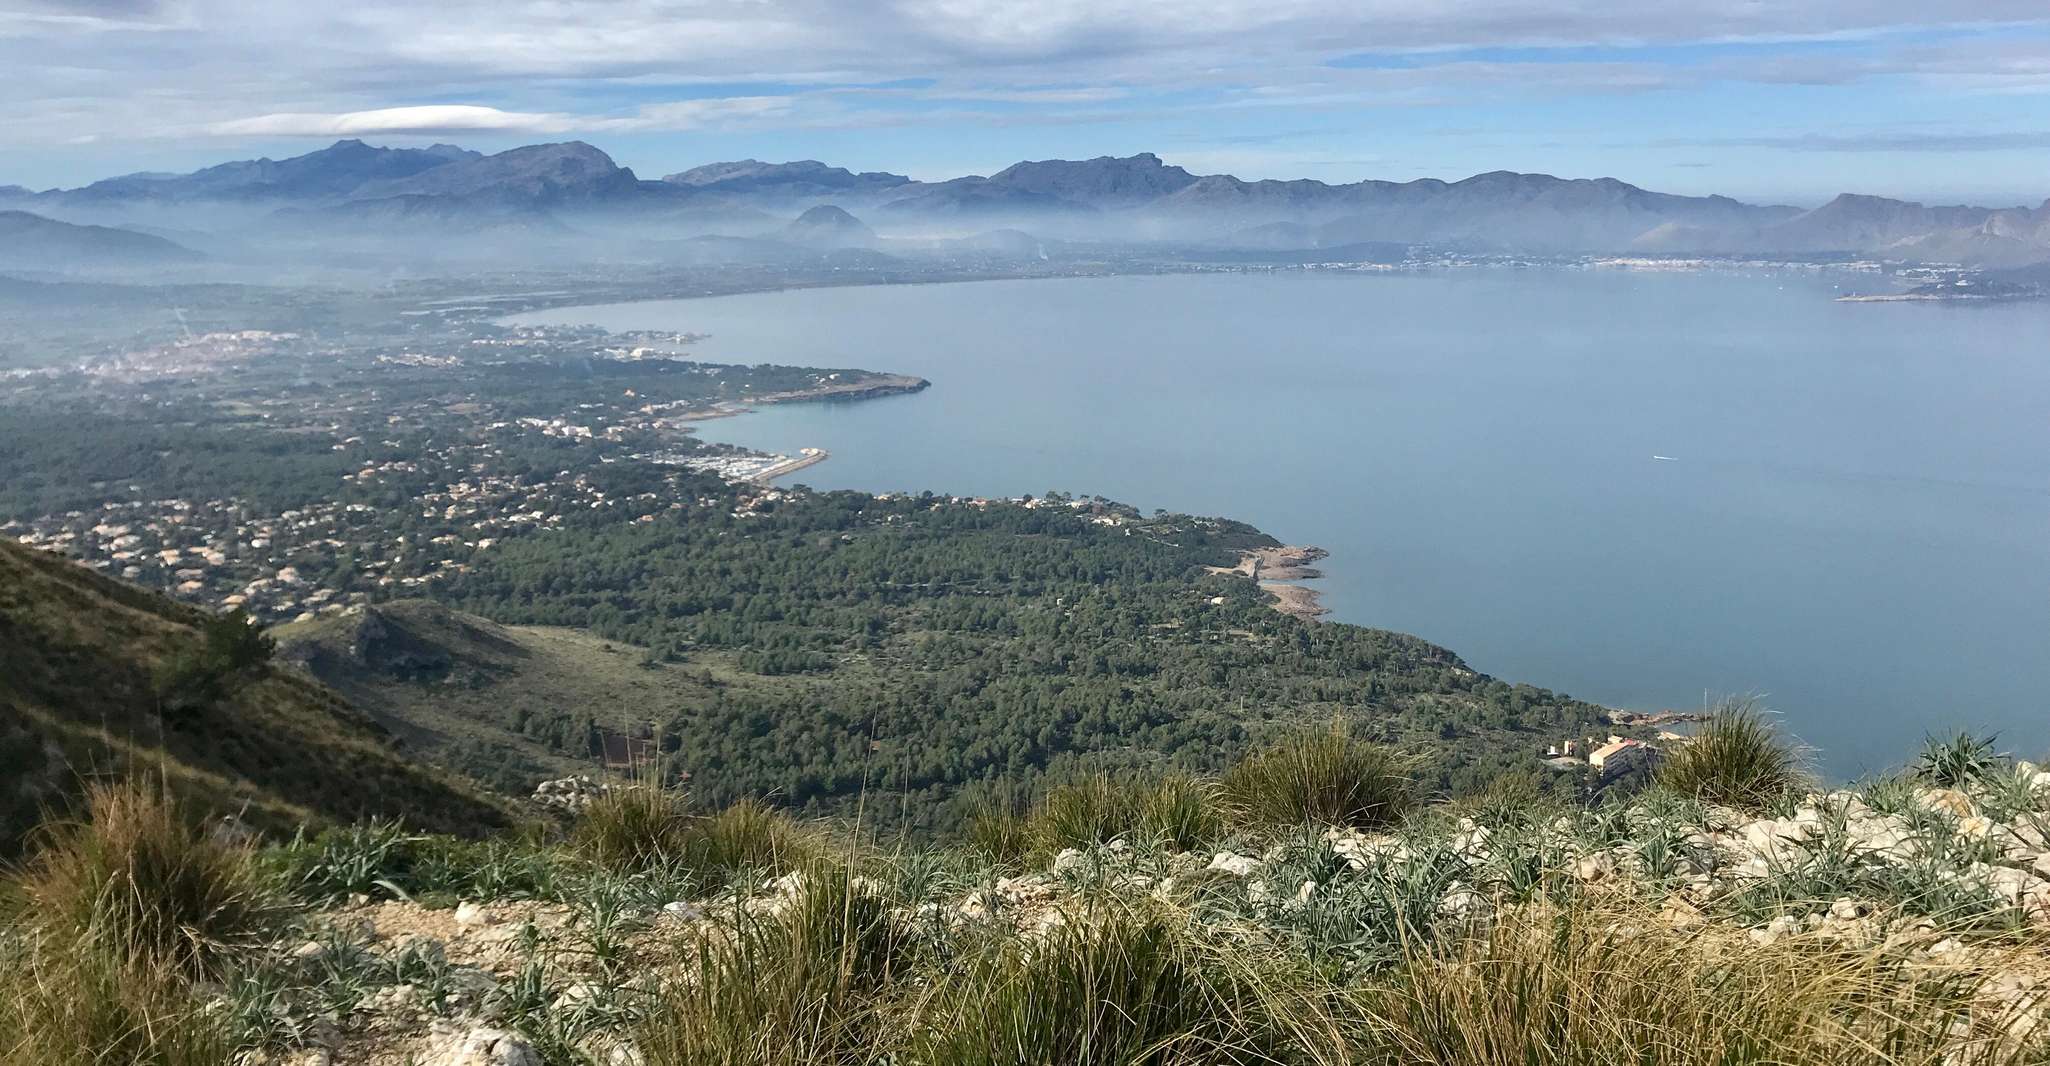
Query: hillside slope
79, 654
506, 705
32, 242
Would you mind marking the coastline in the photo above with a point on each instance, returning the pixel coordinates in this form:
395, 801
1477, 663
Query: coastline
1278, 571
868, 388
805, 457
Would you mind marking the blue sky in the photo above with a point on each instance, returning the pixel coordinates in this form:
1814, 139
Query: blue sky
1787, 100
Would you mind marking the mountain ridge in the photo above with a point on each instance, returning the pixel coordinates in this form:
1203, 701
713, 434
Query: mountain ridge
1105, 198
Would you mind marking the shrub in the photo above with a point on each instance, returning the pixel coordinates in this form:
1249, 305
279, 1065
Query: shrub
231, 645
1182, 812
998, 831
103, 932
1738, 759
1323, 776
1959, 760
140, 885
746, 836
803, 985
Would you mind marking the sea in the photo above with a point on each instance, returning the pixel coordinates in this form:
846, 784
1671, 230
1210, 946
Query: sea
1648, 489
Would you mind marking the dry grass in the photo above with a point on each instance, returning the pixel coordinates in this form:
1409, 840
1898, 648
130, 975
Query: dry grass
1124, 984
1595, 987
639, 828
61, 1006
111, 922
138, 882
804, 986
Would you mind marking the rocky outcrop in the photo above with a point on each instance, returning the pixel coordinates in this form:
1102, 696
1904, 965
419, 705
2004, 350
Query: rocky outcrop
569, 794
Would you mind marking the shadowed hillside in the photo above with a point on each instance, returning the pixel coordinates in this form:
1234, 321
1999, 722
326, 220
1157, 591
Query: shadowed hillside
98, 678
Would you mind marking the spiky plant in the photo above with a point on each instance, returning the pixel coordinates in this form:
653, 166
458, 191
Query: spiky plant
1959, 760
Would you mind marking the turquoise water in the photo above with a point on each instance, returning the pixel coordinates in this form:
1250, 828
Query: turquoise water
1853, 526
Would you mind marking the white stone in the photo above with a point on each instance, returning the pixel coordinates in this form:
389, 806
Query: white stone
1946, 801
1599, 866
1235, 865
2011, 884
1068, 859
1463, 903
1774, 838
682, 911
391, 999
474, 914
1784, 925
484, 1047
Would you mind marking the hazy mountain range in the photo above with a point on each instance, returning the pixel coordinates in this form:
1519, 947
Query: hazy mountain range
560, 194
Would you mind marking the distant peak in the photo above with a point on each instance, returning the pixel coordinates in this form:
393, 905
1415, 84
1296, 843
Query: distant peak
826, 215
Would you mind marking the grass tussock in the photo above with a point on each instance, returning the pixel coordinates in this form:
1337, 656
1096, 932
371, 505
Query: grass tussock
1122, 985
1326, 777
642, 828
61, 1006
1176, 810
109, 925
1738, 759
1589, 987
804, 985
137, 882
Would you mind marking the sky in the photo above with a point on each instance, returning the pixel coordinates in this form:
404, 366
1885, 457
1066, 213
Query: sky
1788, 101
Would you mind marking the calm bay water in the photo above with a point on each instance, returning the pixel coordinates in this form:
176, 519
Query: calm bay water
1856, 524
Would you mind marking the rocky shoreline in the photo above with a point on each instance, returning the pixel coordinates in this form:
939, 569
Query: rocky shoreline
1277, 571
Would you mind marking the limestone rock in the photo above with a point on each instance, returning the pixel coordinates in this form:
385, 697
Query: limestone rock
1946, 801
1235, 865
1600, 866
483, 1047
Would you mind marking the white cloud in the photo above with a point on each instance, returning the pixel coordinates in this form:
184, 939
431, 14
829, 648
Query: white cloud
698, 114
433, 118
472, 118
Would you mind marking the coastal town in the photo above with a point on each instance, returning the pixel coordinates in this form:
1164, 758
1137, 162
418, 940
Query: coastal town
409, 457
